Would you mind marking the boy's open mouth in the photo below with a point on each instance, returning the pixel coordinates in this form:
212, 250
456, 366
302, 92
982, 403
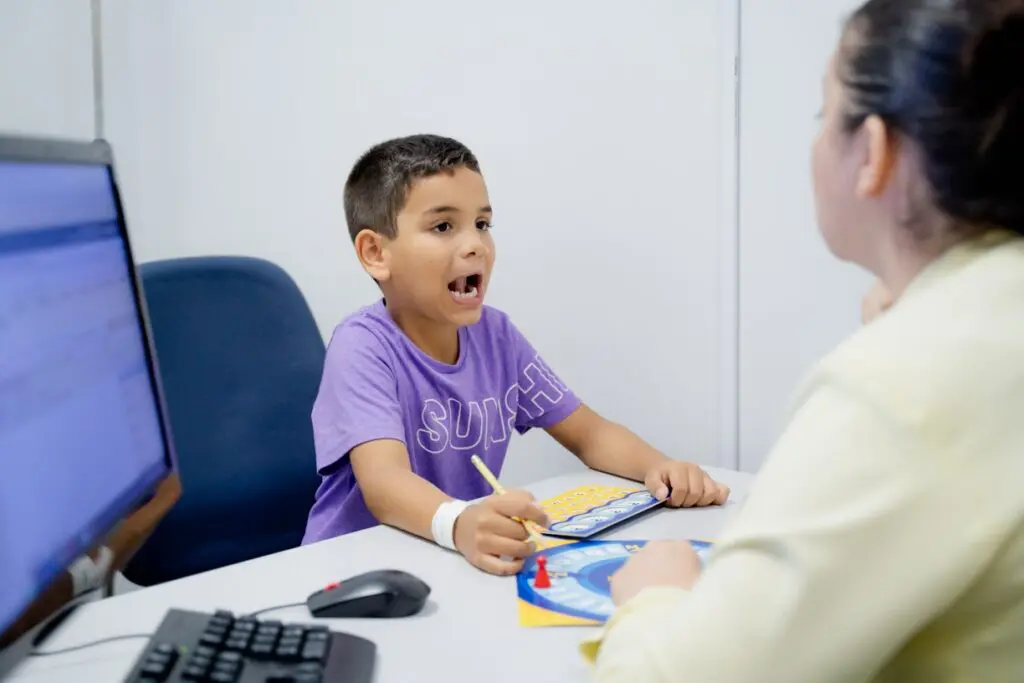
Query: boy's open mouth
464, 288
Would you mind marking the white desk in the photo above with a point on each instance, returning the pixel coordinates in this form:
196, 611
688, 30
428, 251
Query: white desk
469, 630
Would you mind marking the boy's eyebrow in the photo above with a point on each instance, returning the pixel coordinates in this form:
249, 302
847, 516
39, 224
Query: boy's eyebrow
442, 209
453, 209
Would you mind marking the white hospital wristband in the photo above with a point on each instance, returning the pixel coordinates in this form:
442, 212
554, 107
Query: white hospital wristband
442, 527
87, 574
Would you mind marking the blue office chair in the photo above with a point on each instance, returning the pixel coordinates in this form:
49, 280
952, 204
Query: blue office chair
240, 358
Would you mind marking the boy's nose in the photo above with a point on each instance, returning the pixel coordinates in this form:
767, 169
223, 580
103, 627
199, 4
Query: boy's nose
473, 245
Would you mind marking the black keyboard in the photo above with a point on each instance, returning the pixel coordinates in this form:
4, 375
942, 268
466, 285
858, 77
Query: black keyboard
193, 647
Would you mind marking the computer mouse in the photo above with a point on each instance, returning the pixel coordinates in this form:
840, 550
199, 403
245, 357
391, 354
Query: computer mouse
383, 593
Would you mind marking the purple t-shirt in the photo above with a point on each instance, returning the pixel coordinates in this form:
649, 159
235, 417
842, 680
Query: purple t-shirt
377, 384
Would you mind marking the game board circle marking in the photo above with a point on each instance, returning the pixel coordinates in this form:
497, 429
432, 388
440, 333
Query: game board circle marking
580, 573
597, 577
590, 583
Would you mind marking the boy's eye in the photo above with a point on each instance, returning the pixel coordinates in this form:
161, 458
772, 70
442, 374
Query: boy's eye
483, 225
443, 227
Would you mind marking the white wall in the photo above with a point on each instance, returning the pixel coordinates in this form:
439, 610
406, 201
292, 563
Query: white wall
796, 301
46, 81
606, 136
600, 126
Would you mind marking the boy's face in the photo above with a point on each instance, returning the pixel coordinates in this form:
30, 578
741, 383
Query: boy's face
439, 264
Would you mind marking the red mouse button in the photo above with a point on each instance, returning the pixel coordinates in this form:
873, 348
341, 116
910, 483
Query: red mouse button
332, 586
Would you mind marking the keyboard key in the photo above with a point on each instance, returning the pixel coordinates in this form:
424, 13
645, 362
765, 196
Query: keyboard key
164, 649
220, 632
211, 640
158, 658
229, 657
261, 645
229, 667
223, 677
204, 651
237, 645
318, 637
314, 652
193, 673
262, 650
290, 641
287, 653
309, 668
308, 678
153, 672
220, 623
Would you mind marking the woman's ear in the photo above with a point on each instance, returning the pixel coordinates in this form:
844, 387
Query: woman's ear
879, 160
371, 248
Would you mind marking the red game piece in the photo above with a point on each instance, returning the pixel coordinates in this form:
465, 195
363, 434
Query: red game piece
541, 579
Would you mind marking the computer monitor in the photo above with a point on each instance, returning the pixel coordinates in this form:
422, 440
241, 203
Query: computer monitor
83, 435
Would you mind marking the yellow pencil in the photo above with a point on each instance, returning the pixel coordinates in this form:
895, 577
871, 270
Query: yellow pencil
531, 528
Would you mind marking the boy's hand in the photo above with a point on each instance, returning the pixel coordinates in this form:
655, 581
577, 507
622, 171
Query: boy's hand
683, 484
875, 302
490, 539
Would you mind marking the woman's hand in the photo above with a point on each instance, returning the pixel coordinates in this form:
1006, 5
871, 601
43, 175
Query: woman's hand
659, 563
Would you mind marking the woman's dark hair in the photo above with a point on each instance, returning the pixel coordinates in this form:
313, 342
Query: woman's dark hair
949, 75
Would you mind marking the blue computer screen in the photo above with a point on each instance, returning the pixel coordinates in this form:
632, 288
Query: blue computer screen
80, 430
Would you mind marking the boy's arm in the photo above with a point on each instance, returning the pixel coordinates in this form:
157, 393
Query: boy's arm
609, 447
606, 446
123, 542
394, 494
483, 532
545, 401
358, 415
132, 533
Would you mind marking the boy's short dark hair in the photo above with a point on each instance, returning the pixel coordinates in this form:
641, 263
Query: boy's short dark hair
377, 185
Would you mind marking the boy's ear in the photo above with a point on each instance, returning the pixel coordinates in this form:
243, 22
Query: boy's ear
371, 248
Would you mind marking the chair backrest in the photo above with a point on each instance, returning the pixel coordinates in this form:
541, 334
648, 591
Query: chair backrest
240, 358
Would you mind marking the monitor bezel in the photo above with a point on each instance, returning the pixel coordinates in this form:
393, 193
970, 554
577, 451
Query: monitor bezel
96, 152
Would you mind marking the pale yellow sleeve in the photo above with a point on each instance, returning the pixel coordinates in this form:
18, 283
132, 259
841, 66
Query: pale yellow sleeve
841, 552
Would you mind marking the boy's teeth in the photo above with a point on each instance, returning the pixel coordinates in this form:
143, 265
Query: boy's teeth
469, 294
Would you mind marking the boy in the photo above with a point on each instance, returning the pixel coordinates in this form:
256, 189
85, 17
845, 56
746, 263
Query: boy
417, 383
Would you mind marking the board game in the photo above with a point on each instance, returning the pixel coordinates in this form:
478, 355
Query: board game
588, 510
575, 589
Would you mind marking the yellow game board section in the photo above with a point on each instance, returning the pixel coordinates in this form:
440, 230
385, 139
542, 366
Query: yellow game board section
583, 498
532, 616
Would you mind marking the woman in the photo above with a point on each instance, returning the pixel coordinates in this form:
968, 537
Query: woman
884, 538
